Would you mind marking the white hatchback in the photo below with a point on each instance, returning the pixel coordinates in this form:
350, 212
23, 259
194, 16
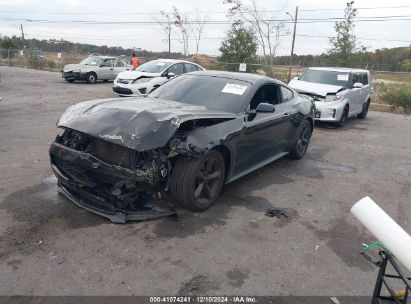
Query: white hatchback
339, 93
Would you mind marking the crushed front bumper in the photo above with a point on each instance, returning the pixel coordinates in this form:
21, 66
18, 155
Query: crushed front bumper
126, 89
73, 76
82, 189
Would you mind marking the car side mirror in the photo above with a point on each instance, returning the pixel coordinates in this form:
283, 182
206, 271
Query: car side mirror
265, 108
357, 85
170, 75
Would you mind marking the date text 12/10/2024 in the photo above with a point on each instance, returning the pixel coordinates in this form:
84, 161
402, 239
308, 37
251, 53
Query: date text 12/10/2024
203, 299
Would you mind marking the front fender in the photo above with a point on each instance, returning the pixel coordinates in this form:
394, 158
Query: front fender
156, 82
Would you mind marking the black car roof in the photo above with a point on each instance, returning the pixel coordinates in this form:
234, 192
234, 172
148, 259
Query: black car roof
252, 78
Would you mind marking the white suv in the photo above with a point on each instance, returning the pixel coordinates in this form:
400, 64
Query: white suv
339, 93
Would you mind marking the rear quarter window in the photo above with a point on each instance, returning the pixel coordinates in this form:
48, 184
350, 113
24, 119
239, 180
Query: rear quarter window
190, 68
364, 78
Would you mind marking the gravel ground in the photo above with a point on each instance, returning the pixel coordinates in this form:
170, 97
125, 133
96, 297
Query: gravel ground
48, 246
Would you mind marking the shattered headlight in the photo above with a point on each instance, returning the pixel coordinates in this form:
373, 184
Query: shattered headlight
142, 80
330, 98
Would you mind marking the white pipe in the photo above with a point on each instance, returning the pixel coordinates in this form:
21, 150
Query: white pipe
385, 229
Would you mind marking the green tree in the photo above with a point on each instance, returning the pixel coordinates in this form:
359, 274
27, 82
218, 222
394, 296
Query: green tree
406, 64
6, 48
344, 44
240, 46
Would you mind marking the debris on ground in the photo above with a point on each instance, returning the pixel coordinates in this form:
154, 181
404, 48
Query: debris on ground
334, 300
278, 212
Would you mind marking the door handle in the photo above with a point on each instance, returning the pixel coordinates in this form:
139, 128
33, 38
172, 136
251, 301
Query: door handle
286, 114
111, 69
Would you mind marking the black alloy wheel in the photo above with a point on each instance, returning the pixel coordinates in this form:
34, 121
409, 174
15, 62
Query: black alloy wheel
196, 182
302, 140
207, 181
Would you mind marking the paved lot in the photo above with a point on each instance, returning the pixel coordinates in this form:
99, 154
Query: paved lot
49, 246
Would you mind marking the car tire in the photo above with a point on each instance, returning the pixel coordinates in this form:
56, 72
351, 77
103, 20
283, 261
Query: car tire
91, 78
343, 120
196, 182
301, 141
364, 111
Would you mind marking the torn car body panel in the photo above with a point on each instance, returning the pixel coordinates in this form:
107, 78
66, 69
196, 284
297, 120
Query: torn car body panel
315, 88
120, 188
137, 123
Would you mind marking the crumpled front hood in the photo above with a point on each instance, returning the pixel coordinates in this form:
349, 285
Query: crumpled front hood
314, 88
73, 67
138, 123
136, 74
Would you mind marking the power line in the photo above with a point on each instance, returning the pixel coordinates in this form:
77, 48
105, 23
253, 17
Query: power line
215, 12
357, 8
215, 22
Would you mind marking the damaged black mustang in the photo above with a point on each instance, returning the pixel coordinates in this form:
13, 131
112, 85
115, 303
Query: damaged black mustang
134, 158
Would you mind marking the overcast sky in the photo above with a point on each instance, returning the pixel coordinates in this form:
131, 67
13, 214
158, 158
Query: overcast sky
149, 36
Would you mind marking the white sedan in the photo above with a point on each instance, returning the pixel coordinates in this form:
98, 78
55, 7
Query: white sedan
149, 76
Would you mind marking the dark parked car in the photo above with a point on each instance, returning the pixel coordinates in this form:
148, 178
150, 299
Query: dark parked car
129, 159
38, 57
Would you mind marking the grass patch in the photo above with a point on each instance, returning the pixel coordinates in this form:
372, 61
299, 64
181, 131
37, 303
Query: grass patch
399, 77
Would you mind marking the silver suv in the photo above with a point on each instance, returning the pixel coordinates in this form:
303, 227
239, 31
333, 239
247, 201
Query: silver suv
339, 93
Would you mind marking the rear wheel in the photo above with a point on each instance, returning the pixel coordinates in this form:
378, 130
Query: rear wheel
343, 120
91, 78
196, 183
302, 140
364, 111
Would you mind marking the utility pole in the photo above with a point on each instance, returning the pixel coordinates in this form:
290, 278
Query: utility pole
292, 45
22, 32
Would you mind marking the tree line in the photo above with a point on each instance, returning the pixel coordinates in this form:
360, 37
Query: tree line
64, 46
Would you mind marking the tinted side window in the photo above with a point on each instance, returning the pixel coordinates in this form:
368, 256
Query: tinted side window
287, 94
355, 78
190, 67
177, 69
267, 94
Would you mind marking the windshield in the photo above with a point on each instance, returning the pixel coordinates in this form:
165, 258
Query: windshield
155, 66
91, 60
214, 93
326, 77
